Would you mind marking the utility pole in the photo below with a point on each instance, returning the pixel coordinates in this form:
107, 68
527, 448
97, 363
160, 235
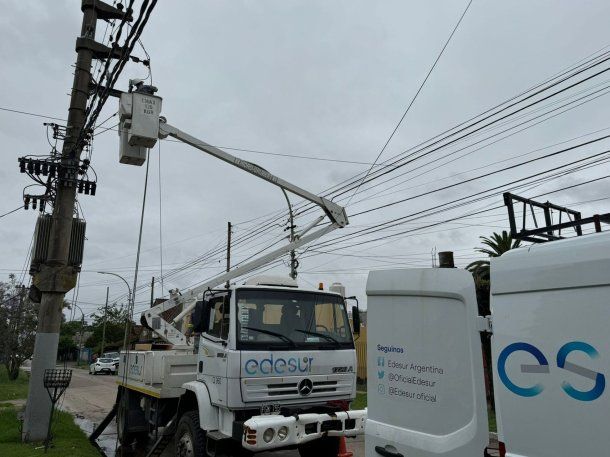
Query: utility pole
80, 340
105, 319
229, 227
56, 277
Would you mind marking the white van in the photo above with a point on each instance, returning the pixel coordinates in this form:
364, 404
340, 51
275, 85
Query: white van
551, 345
550, 317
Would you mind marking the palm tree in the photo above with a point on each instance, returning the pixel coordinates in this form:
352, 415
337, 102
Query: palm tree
496, 245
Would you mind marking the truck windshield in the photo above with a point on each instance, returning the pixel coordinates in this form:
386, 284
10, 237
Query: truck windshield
291, 318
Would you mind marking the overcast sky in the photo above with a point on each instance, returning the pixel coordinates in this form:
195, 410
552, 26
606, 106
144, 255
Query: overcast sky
324, 79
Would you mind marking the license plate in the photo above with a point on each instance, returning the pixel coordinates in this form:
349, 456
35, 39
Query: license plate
268, 409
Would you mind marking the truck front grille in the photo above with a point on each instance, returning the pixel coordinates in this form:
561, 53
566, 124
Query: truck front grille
261, 389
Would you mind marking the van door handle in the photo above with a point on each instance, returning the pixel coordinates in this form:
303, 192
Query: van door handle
392, 452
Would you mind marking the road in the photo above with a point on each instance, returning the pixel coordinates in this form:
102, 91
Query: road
90, 398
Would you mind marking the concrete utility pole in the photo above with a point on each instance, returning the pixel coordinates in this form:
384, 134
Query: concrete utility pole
56, 277
105, 319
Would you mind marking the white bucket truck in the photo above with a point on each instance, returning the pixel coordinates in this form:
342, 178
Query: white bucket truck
273, 365
550, 345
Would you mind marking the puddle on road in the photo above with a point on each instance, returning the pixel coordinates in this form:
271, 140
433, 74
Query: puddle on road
106, 441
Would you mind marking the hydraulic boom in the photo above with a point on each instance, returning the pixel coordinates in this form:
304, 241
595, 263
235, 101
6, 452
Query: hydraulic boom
335, 213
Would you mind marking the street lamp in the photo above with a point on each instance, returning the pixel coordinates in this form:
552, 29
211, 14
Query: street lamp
129, 302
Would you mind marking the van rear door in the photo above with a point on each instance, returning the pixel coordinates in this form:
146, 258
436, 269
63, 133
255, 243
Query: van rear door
551, 315
426, 393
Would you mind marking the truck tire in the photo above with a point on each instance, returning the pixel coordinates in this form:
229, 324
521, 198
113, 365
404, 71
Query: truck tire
190, 439
327, 446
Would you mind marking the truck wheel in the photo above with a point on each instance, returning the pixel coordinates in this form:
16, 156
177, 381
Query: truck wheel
323, 447
190, 439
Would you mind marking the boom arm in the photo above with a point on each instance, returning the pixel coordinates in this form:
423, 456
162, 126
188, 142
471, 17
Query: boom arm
334, 212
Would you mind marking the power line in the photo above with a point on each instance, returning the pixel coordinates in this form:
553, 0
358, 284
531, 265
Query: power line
469, 199
588, 64
12, 211
32, 114
263, 228
485, 175
412, 100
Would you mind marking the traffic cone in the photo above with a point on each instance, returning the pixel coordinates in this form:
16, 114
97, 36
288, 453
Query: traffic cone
343, 452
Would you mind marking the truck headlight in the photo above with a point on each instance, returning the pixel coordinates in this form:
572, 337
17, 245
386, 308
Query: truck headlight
268, 435
282, 433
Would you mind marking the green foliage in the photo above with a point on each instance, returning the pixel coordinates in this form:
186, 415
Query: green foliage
68, 439
116, 316
18, 320
496, 245
360, 401
66, 344
12, 389
70, 328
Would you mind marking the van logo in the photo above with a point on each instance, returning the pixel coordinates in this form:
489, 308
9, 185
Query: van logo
305, 387
542, 368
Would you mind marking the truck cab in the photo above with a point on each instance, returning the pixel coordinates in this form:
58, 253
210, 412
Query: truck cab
274, 367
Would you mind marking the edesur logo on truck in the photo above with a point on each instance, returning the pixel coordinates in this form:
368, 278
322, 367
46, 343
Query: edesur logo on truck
543, 368
278, 365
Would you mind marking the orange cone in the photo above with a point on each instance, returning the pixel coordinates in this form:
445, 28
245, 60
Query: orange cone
343, 452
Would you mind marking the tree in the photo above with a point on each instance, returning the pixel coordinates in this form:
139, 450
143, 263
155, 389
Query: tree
494, 246
18, 321
497, 245
116, 316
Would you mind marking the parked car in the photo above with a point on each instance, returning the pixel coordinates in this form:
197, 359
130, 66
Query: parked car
103, 365
115, 356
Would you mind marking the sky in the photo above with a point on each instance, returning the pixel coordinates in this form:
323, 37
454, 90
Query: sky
307, 80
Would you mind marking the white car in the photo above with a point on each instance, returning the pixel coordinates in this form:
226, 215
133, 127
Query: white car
103, 365
115, 356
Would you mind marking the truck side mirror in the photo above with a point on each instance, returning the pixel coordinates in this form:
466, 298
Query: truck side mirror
356, 319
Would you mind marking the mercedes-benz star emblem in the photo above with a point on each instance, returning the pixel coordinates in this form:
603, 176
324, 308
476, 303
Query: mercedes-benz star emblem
305, 387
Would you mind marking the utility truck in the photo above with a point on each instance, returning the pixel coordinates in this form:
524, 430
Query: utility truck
549, 330
257, 366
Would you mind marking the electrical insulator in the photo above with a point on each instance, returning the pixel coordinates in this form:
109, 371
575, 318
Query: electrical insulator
30, 167
87, 187
45, 168
93, 188
52, 169
80, 187
37, 167
34, 202
22, 165
26, 202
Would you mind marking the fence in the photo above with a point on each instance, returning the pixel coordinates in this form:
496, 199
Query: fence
361, 356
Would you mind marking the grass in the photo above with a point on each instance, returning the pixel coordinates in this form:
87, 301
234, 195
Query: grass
68, 439
360, 403
12, 390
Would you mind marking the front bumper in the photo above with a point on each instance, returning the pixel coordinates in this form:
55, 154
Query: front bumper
301, 428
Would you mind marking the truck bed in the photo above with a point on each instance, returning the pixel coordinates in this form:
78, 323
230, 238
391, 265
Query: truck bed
159, 374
